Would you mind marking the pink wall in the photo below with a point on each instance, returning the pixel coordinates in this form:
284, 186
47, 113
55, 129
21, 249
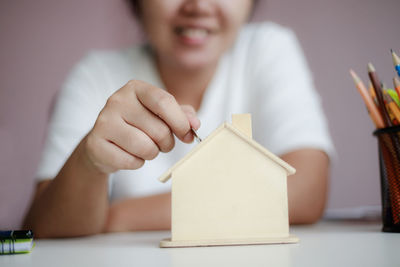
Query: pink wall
42, 39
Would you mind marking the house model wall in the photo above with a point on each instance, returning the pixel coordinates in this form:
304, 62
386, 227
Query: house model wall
229, 190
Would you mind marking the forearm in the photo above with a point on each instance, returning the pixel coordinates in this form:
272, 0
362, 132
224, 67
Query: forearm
307, 189
137, 214
74, 203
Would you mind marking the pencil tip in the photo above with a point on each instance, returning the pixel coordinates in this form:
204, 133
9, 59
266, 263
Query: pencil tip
371, 67
396, 82
391, 50
354, 75
396, 58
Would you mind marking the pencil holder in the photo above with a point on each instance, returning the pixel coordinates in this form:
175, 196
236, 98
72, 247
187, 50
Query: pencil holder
389, 163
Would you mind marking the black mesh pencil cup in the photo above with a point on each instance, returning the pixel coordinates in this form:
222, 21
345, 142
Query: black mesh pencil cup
389, 163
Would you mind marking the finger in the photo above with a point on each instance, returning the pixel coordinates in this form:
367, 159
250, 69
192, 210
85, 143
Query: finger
134, 141
112, 158
165, 106
152, 125
191, 116
190, 113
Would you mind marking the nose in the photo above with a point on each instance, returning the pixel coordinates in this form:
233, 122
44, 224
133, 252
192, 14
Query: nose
197, 7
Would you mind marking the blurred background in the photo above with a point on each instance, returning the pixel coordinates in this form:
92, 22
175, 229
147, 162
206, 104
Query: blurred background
41, 40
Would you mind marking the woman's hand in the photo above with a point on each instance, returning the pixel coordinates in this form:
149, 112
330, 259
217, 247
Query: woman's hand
137, 122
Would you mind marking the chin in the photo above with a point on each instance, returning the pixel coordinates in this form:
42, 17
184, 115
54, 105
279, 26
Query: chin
193, 61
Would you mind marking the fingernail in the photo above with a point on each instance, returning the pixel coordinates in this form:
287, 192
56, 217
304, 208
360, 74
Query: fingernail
188, 138
197, 124
194, 122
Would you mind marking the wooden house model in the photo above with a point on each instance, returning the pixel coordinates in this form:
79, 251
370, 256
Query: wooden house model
229, 190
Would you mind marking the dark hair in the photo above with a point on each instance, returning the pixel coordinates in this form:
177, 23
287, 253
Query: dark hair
136, 7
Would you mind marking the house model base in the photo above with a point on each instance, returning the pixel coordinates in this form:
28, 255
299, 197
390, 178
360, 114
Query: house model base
167, 243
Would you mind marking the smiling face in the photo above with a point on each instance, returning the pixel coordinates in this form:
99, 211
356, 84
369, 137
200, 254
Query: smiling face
192, 34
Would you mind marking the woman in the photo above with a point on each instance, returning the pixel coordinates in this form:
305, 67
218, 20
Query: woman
112, 116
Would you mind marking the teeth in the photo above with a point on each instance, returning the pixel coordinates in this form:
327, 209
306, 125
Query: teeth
194, 33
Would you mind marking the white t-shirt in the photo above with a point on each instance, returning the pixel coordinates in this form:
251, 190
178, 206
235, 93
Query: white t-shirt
264, 74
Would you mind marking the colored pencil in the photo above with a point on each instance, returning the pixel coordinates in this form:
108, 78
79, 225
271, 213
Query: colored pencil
379, 95
392, 108
372, 108
396, 84
372, 93
385, 105
396, 62
392, 93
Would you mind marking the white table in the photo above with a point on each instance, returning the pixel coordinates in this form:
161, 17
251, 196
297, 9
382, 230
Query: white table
335, 243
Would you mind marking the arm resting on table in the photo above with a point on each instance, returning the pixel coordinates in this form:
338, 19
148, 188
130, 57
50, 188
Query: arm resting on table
307, 191
74, 203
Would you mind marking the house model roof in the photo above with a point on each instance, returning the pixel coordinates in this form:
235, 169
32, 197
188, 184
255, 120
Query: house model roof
227, 126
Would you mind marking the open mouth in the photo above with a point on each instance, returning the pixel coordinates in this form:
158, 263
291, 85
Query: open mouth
192, 35
192, 32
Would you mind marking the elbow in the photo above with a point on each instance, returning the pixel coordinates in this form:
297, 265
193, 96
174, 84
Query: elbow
311, 217
38, 229
305, 218
44, 230
309, 214
44, 233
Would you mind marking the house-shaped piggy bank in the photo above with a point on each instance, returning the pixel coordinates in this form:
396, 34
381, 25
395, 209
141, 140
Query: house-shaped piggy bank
229, 190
